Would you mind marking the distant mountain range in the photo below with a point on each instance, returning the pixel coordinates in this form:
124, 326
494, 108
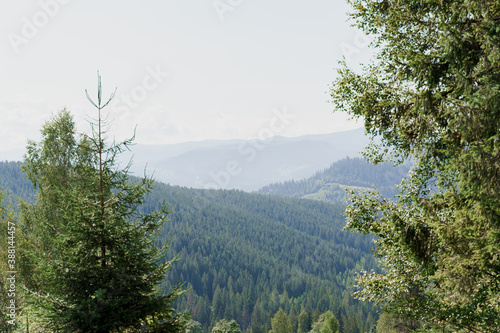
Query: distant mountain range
244, 165
237, 164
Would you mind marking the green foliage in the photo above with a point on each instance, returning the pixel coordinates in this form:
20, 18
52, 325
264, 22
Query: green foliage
193, 327
432, 95
387, 324
327, 323
391, 323
349, 173
281, 323
293, 320
94, 260
16, 183
246, 255
225, 326
304, 322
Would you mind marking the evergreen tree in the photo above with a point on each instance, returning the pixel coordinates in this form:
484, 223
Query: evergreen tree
281, 323
331, 323
95, 261
293, 320
432, 95
304, 324
327, 323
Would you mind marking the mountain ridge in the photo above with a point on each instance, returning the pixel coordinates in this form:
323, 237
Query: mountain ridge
331, 184
245, 164
237, 164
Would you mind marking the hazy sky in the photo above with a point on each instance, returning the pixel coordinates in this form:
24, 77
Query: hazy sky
186, 70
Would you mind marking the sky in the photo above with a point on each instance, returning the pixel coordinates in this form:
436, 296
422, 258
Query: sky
185, 70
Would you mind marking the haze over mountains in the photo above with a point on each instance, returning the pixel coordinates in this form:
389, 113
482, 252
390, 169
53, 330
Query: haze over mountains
244, 165
237, 164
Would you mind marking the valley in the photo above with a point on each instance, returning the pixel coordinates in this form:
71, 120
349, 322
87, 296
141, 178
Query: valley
244, 256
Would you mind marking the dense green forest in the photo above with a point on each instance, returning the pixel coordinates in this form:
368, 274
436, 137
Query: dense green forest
244, 256
347, 174
13, 180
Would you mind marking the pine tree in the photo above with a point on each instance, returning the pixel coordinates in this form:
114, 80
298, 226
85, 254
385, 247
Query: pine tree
94, 258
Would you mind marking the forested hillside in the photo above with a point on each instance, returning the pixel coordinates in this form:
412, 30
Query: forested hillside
244, 256
12, 179
349, 173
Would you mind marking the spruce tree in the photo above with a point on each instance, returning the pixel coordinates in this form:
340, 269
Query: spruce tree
280, 323
94, 257
432, 96
304, 322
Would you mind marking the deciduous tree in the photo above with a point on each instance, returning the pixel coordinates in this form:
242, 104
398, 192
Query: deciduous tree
224, 326
327, 323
